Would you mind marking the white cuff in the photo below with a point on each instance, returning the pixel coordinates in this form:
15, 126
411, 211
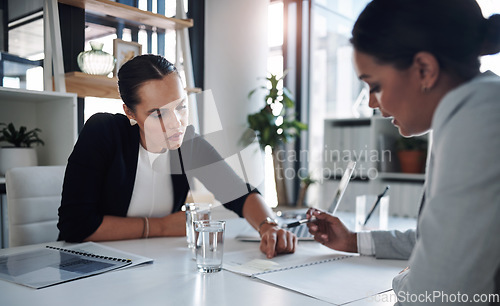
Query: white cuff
366, 245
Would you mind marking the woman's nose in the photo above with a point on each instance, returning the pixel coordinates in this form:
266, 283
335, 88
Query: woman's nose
373, 102
173, 120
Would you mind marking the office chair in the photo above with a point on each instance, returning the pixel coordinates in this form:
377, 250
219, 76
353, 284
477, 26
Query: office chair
33, 199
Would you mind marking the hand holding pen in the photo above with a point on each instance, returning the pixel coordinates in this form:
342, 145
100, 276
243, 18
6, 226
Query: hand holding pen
297, 223
331, 232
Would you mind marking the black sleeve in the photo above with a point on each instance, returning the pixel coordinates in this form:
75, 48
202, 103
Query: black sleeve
202, 161
91, 175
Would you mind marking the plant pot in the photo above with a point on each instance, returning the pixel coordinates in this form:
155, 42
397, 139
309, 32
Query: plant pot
302, 195
279, 179
17, 157
412, 161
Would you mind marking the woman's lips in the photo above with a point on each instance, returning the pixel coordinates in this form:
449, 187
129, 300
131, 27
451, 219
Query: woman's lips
176, 137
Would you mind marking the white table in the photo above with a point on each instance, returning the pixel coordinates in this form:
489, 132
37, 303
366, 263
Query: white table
171, 280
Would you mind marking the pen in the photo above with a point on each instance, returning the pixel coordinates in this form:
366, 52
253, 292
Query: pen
380, 196
297, 223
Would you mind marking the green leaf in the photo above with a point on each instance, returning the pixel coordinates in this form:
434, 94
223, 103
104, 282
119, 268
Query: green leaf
252, 92
264, 121
288, 98
21, 137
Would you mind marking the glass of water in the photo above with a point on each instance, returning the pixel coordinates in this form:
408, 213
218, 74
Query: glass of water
195, 212
209, 242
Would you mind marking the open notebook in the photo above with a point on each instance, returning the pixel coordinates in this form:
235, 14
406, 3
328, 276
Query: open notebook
316, 271
49, 265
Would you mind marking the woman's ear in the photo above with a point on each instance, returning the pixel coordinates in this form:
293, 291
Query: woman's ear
128, 112
428, 69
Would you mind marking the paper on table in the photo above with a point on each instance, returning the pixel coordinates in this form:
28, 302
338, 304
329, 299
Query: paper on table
254, 262
339, 282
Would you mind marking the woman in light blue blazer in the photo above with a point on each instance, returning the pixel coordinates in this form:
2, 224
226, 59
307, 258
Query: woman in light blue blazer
420, 59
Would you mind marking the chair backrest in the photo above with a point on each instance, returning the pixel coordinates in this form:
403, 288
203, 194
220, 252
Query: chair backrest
33, 199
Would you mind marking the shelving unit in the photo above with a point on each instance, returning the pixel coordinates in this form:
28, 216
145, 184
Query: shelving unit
369, 142
85, 85
127, 12
54, 113
398, 176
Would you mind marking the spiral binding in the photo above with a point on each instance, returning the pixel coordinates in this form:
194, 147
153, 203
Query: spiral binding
89, 254
303, 265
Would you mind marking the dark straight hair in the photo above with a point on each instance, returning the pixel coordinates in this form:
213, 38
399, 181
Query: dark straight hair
454, 31
139, 70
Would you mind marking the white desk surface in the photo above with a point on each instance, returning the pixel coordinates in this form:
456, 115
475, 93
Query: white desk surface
171, 280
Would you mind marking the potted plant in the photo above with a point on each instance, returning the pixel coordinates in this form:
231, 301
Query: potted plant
412, 152
275, 125
19, 153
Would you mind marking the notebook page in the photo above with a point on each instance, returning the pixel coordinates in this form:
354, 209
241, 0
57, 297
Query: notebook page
340, 281
253, 262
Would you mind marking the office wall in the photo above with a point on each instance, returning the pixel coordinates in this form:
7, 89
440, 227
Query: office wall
235, 63
235, 55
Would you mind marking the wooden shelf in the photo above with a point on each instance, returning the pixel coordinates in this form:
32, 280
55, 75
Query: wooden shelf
194, 90
397, 176
130, 13
87, 85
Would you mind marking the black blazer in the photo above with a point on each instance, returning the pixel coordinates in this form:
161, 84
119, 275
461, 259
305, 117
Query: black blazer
101, 170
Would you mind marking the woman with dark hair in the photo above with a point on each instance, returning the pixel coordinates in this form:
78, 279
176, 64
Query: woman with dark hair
128, 176
420, 59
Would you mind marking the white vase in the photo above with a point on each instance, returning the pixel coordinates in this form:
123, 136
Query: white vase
17, 157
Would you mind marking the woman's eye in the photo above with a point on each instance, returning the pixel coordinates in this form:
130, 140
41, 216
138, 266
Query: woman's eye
159, 114
374, 89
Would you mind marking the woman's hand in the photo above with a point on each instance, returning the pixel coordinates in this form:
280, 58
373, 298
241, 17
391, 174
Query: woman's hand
331, 232
275, 240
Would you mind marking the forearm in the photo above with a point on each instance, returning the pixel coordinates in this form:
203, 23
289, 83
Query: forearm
121, 228
255, 210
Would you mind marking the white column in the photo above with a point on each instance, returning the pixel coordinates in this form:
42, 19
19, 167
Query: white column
236, 51
235, 55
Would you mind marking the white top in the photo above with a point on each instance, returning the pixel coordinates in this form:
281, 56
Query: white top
153, 193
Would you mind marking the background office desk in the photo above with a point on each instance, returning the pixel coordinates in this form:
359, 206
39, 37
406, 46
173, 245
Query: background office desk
171, 280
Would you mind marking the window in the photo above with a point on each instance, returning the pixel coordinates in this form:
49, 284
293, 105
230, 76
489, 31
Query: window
274, 66
22, 65
334, 86
490, 62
